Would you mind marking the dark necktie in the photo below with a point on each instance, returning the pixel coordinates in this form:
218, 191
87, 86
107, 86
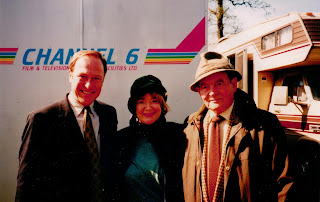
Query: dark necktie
89, 137
214, 155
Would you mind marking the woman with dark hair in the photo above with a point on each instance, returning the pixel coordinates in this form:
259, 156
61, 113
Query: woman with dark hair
151, 149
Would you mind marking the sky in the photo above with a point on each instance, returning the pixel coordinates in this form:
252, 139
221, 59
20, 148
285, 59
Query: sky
248, 17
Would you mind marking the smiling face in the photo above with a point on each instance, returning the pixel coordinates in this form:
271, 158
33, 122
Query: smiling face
217, 92
86, 79
148, 109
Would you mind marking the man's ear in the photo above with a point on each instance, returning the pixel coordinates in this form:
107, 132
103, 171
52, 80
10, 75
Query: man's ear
70, 76
197, 89
234, 83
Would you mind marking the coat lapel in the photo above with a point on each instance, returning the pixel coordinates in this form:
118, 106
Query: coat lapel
69, 123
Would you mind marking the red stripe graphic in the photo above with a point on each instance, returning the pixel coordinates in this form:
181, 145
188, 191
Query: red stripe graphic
8, 49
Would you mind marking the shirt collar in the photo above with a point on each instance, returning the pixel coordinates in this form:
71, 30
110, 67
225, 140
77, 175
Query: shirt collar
226, 114
76, 106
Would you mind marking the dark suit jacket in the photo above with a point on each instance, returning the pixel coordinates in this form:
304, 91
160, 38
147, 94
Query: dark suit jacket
53, 158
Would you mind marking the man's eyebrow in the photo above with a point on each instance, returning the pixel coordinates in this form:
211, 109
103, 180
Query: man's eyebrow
207, 82
219, 80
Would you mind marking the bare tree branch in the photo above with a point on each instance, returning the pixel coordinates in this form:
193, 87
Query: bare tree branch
212, 11
221, 11
251, 3
240, 3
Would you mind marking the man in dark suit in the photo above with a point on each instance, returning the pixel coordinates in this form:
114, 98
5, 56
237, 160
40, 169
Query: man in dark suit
55, 161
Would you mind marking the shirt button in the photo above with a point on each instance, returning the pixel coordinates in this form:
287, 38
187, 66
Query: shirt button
227, 168
198, 163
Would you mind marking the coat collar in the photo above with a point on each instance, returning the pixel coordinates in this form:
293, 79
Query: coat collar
66, 116
65, 108
244, 110
199, 115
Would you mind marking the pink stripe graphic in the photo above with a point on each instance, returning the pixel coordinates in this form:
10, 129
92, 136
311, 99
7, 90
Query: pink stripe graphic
192, 43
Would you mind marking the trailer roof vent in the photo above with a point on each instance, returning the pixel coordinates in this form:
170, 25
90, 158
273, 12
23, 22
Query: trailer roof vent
309, 14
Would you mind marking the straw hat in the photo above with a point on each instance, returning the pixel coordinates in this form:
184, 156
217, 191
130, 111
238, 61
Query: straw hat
211, 63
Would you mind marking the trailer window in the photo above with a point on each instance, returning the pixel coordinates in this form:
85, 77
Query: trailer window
278, 38
313, 82
284, 36
269, 41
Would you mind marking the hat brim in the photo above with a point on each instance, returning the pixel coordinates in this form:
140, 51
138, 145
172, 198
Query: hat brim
195, 83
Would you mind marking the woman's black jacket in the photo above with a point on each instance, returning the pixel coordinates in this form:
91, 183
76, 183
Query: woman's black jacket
169, 142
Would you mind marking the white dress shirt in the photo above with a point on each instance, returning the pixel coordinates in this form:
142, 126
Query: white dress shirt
223, 125
77, 109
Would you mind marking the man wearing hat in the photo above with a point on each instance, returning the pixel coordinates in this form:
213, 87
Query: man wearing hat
235, 152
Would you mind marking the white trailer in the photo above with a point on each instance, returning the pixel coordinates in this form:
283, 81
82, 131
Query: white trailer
139, 37
280, 63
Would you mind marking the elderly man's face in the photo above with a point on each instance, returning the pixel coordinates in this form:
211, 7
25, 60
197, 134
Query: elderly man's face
217, 92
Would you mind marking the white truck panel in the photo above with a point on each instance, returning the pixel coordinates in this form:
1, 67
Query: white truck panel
44, 33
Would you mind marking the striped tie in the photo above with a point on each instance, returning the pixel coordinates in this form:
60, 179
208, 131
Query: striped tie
89, 137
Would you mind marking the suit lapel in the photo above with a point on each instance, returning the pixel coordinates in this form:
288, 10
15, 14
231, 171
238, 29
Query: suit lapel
69, 122
98, 110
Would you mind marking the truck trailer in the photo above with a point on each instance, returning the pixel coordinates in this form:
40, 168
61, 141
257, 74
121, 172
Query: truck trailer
137, 38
